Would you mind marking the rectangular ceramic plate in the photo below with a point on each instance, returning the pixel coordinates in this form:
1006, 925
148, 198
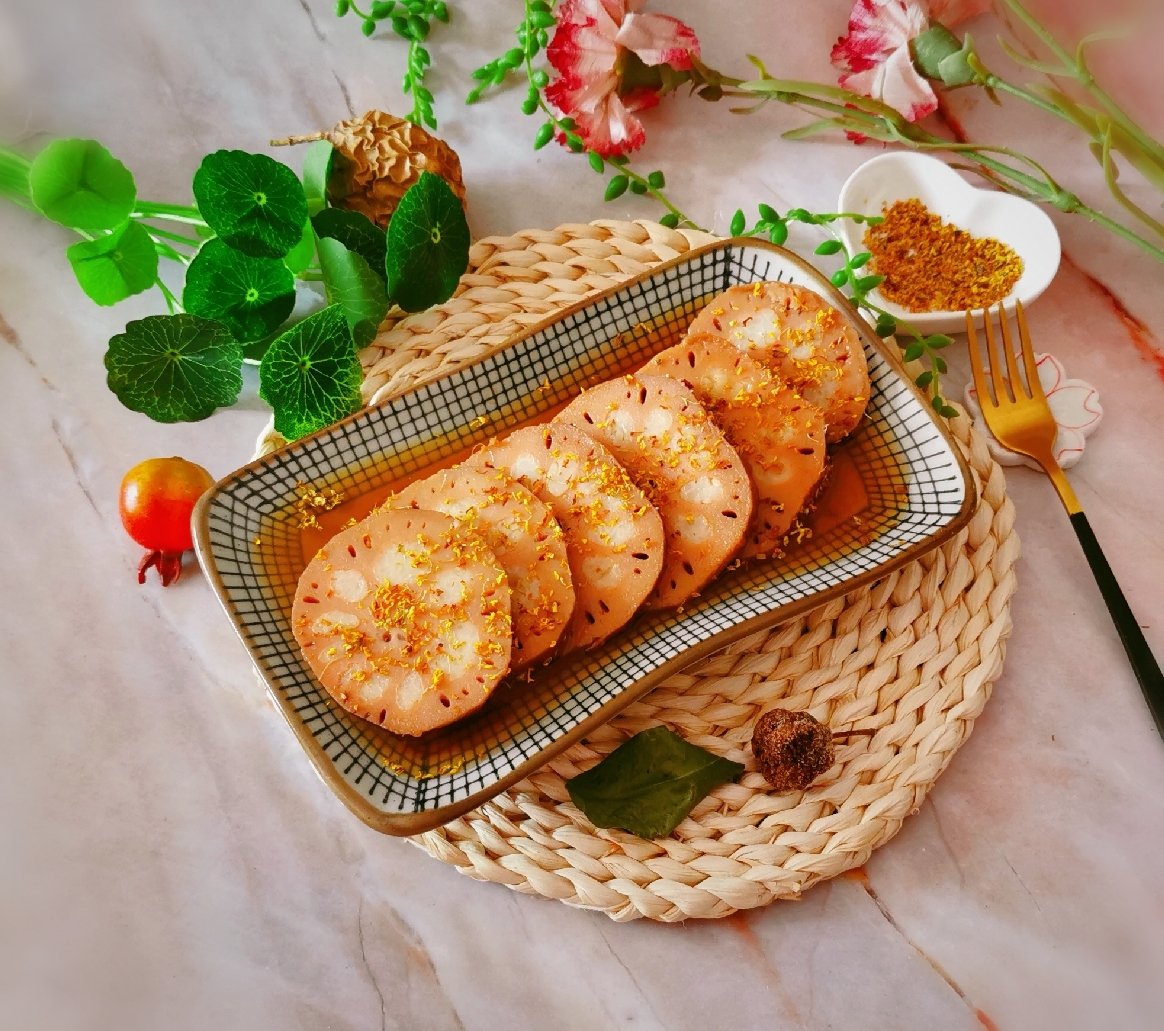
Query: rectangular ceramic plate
898, 487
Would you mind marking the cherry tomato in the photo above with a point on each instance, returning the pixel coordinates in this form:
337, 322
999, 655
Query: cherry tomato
157, 498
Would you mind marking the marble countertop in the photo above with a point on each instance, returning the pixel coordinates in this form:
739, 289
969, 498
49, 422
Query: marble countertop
170, 860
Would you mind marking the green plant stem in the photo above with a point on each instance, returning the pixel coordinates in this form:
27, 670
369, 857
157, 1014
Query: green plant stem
879, 121
171, 300
166, 251
174, 237
1075, 67
172, 212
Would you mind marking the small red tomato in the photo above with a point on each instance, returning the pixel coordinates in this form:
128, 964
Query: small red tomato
157, 498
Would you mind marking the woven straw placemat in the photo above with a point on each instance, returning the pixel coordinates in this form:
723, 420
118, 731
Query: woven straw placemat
906, 664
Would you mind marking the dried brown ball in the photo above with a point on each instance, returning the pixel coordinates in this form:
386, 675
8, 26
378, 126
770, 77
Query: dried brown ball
792, 748
378, 157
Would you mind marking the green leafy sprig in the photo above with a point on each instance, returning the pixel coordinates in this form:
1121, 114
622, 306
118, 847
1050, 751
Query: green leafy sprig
411, 20
254, 230
853, 278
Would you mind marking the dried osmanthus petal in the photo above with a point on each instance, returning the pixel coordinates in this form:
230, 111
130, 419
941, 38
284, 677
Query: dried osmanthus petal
378, 157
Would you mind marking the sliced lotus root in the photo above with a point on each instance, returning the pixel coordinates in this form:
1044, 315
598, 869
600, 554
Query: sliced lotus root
526, 539
673, 450
779, 435
614, 537
404, 618
798, 335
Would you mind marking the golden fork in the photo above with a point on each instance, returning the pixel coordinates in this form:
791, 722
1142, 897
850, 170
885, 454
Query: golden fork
1020, 418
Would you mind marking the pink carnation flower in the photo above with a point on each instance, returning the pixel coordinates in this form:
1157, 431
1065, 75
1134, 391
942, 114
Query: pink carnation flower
589, 50
874, 58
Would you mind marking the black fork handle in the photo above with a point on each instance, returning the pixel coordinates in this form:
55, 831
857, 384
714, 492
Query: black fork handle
1144, 663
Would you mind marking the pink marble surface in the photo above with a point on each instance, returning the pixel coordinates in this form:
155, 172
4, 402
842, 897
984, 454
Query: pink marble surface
169, 859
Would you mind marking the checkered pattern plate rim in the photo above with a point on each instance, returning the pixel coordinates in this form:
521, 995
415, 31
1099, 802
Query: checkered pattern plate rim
248, 539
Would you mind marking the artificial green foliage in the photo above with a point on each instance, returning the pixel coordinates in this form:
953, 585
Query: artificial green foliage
79, 184
352, 285
316, 170
175, 368
428, 245
254, 203
310, 375
357, 233
650, 783
250, 296
300, 257
116, 265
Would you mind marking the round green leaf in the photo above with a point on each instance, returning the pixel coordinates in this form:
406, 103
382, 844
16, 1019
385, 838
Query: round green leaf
356, 232
352, 285
117, 265
175, 368
254, 203
250, 296
310, 375
79, 184
428, 245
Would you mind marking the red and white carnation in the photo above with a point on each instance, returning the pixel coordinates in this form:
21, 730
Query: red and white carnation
874, 58
588, 51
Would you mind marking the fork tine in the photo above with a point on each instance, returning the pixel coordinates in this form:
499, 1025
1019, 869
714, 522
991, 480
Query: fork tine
1034, 387
1001, 397
985, 401
1012, 371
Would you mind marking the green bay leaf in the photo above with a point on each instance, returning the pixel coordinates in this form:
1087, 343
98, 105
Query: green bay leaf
310, 375
357, 233
254, 203
350, 283
117, 265
175, 368
250, 296
79, 184
650, 783
428, 245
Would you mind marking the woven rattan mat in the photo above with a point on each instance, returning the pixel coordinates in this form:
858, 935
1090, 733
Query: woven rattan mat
909, 660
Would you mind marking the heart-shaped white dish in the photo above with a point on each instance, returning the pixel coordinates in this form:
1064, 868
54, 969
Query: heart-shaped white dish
902, 175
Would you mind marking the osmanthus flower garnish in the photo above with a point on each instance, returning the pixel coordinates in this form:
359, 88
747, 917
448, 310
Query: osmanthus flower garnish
255, 228
613, 61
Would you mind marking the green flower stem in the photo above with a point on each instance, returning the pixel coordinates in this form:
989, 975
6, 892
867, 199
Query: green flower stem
889, 126
1075, 67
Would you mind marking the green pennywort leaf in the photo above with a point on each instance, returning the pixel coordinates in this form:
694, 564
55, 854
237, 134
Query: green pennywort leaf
316, 170
357, 233
649, 784
250, 296
310, 375
79, 184
354, 287
175, 368
117, 265
428, 245
254, 203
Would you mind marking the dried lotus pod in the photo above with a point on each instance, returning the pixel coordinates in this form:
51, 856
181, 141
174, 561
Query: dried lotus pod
378, 157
